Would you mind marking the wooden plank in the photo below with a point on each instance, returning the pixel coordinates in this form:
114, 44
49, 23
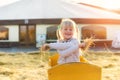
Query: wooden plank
75, 71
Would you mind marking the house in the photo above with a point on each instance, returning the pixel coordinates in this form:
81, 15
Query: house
34, 22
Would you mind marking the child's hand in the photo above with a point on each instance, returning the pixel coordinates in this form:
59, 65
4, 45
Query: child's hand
82, 45
45, 47
88, 43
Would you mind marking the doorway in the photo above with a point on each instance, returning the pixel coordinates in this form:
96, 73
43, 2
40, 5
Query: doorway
27, 35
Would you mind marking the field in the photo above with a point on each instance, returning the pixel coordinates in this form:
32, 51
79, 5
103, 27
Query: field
33, 66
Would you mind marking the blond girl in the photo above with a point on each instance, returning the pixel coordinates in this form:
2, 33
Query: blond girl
68, 42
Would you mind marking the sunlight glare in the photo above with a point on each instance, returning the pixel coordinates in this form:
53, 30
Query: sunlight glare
109, 4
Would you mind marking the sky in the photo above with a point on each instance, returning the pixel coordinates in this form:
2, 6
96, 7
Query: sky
110, 4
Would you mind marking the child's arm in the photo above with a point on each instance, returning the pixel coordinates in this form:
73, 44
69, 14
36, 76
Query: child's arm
72, 49
69, 51
58, 46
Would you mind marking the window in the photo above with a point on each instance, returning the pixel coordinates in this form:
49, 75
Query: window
3, 33
51, 33
97, 32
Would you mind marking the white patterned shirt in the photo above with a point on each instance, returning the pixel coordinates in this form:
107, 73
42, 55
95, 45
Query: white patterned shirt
68, 50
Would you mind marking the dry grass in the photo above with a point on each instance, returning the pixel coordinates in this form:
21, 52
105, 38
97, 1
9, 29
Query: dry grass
33, 66
109, 63
22, 66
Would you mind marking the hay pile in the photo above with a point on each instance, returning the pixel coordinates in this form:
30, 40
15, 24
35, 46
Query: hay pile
25, 66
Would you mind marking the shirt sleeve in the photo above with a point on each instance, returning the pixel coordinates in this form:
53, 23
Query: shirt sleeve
60, 46
73, 48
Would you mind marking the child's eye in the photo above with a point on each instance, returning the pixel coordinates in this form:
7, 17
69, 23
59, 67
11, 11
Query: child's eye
65, 29
70, 29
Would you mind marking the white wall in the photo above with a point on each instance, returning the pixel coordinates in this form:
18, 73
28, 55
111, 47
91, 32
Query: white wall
41, 30
111, 31
13, 33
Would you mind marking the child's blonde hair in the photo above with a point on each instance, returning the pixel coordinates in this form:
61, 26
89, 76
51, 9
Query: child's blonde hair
68, 22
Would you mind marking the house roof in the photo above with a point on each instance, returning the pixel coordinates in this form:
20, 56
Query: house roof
47, 9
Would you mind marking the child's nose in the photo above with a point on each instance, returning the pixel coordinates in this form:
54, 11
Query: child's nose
68, 30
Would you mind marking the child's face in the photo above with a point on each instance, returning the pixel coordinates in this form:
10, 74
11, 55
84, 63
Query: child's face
67, 32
